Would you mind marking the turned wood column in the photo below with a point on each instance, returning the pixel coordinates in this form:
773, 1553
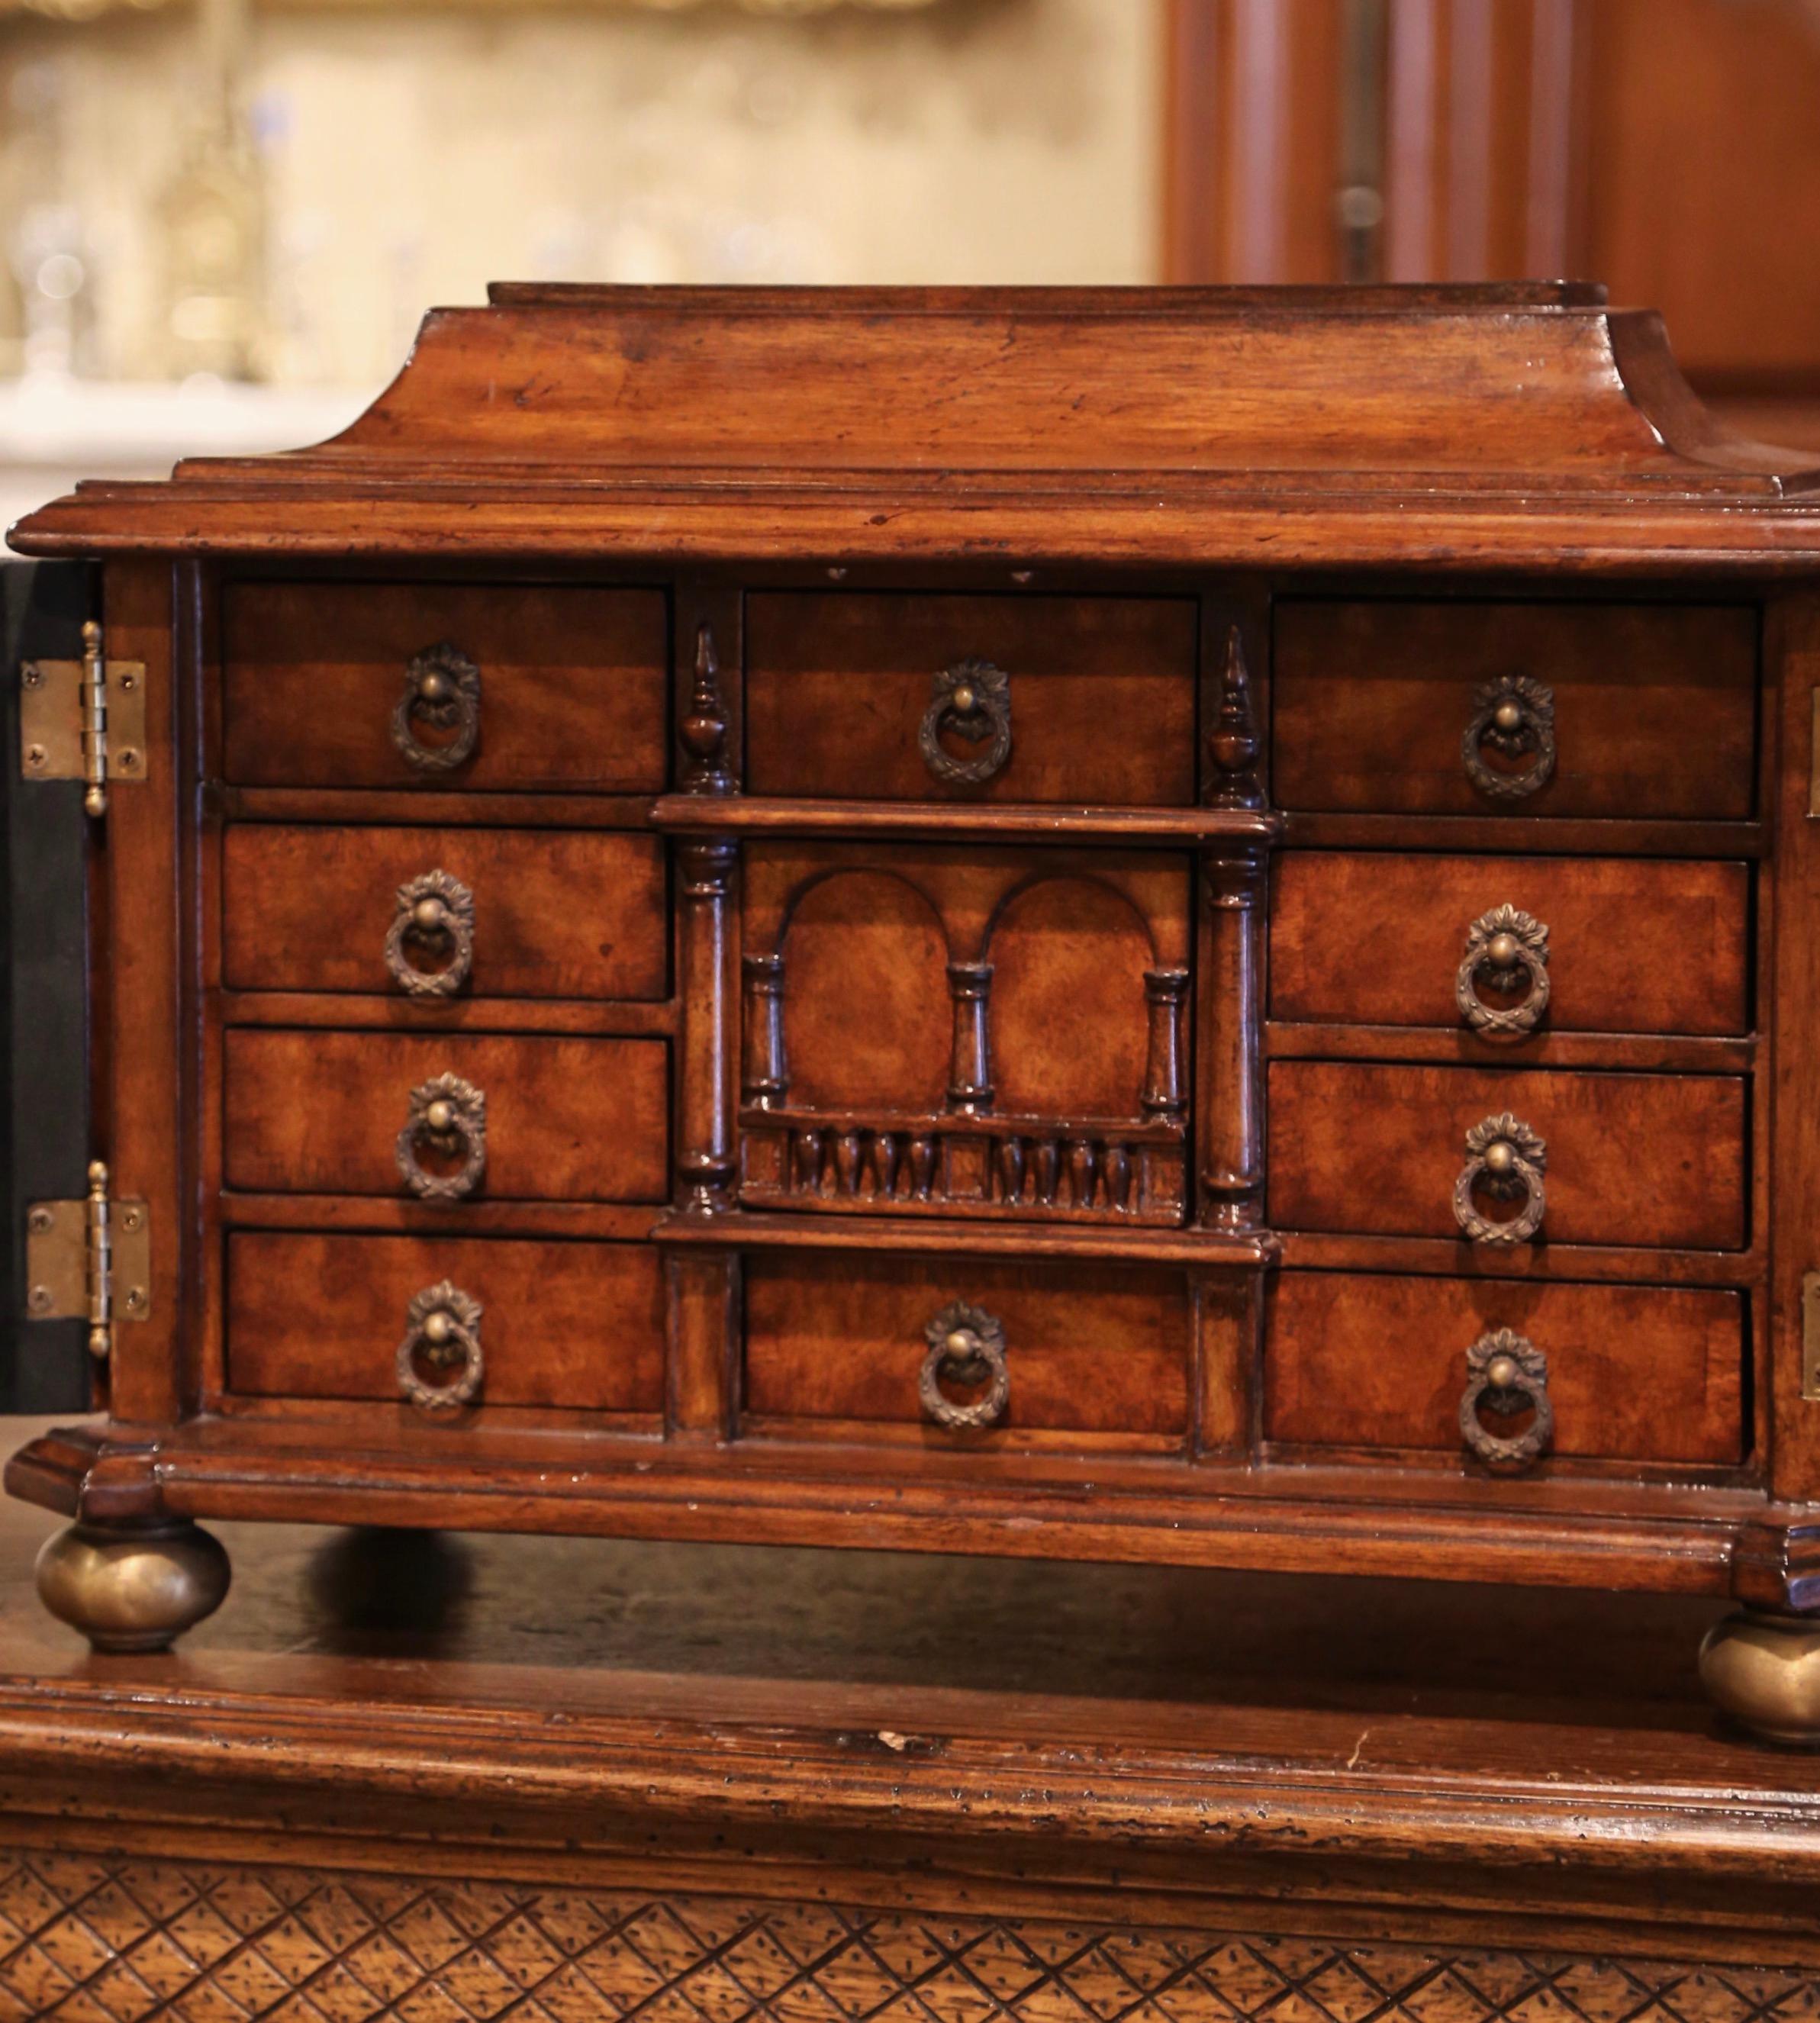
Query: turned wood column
704, 1160
969, 1089
1165, 991
1230, 1093
766, 1078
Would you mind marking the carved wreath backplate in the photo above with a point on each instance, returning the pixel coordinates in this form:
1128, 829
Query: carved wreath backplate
1532, 703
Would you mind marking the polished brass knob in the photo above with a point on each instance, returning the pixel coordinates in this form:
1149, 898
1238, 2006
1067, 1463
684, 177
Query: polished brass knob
442, 1331
432, 913
442, 688
972, 700
1508, 1159
1514, 717
1506, 1375
966, 1345
449, 1115
1506, 952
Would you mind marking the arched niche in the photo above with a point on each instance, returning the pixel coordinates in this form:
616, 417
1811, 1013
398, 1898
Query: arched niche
1068, 1022
866, 1023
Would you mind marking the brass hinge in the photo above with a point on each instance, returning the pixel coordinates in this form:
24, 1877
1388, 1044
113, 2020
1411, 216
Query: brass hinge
83, 719
89, 1259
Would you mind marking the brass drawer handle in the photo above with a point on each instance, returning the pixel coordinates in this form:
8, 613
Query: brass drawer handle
442, 1329
1506, 1374
449, 1115
972, 699
1514, 715
1507, 951
966, 1345
435, 912
1506, 1157
442, 688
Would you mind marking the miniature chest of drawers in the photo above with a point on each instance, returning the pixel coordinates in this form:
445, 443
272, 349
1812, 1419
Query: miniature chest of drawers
1121, 924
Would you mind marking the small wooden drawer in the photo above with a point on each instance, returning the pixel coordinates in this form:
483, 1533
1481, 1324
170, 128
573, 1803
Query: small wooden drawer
840, 1344
1638, 710
1630, 1374
578, 1326
1610, 945
355, 1114
1355, 1148
347, 685
1086, 700
512, 913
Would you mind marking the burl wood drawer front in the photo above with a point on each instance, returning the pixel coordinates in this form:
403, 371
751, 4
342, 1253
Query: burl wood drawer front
1087, 699
541, 914
354, 1113
1611, 945
1080, 1349
1655, 1159
343, 684
1538, 709
1631, 1373
577, 1326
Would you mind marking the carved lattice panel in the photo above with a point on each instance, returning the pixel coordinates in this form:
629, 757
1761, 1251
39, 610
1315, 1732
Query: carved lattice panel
118, 1939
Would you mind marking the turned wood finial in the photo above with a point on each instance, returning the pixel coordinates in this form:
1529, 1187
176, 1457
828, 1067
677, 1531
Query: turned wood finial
703, 730
1234, 745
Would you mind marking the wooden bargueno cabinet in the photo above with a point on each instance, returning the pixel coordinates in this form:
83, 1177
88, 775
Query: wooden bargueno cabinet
1137, 925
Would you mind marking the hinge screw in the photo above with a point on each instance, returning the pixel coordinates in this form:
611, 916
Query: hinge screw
134, 1299
29, 675
129, 1218
38, 1300
129, 760
129, 683
35, 757
39, 1219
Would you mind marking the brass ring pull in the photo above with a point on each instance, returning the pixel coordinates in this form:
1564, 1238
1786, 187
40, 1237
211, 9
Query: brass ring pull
442, 1329
966, 1345
1506, 1374
435, 911
1506, 1157
442, 688
449, 1115
972, 699
1515, 716
1506, 951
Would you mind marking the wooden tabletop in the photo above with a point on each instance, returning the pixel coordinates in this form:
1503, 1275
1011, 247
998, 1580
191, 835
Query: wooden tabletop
902, 1720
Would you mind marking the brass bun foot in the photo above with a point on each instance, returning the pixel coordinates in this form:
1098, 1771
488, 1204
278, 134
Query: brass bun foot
132, 1587
1763, 1670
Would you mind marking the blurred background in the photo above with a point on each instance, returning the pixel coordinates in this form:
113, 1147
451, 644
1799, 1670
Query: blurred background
221, 219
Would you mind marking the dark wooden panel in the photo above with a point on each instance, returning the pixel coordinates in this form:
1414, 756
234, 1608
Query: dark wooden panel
1631, 1158
1655, 708
567, 1119
1634, 945
556, 915
578, 1326
572, 683
1102, 694
44, 1096
1089, 1348
1634, 1373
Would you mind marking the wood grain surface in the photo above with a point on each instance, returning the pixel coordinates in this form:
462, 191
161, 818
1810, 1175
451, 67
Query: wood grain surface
572, 683
1102, 695
1631, 1158
578, 914
566, 1119
1655, 710
1634, 1372
1370, 937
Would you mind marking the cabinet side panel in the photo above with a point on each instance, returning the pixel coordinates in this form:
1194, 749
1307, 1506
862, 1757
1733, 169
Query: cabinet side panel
140, 998
1792, 660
